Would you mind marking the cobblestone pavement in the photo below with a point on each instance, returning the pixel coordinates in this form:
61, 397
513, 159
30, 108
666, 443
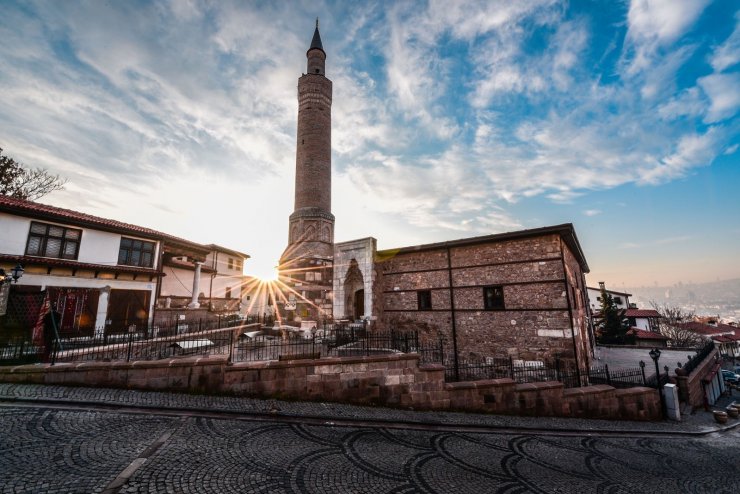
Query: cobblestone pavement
82, 451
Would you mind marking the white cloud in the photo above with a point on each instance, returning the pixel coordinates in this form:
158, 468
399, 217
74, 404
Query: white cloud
140, 101
723, 91
592, 212
728, 53
692, 150
655, 24
688, 103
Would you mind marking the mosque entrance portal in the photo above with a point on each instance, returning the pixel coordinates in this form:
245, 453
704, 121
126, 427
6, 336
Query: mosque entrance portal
354, 292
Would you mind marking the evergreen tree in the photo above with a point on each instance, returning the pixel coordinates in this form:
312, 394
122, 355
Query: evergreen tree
611, 323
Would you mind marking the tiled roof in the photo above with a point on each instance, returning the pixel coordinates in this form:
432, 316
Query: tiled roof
228, 251
641, 313
566, 231
708, 330
53, 213
641, 334
725, 339
66, 263
597, 289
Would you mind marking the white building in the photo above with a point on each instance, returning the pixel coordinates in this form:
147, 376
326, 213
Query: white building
222, 282
621, 299
104, 275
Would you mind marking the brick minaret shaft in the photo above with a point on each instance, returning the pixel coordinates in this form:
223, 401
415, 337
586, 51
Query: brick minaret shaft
311, 230
311, 226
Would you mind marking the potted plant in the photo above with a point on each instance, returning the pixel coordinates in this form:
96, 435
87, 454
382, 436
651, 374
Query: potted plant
720, 416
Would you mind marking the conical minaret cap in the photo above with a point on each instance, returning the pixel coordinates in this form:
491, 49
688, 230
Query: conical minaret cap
316, 40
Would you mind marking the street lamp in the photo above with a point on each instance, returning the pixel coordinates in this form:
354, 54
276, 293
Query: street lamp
655, 355
15, 273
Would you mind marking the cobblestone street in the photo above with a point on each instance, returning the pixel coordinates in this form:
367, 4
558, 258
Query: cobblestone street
66, 450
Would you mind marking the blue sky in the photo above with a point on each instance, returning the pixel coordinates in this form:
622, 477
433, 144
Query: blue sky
450, 119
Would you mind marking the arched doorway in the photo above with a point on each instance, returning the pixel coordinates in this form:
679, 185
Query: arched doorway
359, 305
354, 292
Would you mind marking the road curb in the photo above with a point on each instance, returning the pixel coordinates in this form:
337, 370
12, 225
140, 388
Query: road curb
280, 415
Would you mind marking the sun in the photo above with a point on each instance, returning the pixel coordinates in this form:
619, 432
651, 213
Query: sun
272, 275
267, 272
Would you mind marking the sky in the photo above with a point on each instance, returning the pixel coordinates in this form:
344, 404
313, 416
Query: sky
450, 119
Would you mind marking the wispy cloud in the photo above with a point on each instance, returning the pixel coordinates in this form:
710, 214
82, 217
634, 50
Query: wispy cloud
447, 115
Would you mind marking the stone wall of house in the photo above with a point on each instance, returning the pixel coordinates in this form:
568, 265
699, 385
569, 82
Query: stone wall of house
540, 320
578, 297
395, 380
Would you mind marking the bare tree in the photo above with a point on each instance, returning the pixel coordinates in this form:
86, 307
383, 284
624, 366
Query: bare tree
26, 183
673, 325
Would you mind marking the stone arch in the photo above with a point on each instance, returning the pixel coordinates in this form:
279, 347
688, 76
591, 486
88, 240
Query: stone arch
326, 234
310, 233
294, 233
354, 292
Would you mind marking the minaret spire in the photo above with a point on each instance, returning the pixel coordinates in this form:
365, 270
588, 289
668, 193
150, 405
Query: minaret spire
306, 263
316, 40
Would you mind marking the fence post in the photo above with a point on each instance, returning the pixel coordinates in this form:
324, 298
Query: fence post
642, 368
54, 351
511, 366
608, 377
128, 355
231, 346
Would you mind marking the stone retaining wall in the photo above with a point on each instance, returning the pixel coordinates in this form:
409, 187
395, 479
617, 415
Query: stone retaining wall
394, 380
690, 387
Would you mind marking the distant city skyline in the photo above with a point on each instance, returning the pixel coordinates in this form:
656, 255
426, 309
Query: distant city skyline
450, 120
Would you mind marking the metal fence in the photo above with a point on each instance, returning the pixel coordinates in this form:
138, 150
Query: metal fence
335, 342
240, 344
231, 336
538, 371
701, 353
137, 343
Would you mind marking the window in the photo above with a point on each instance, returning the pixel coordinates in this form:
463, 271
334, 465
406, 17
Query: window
231, 263
238, 265
136, 253
493, 297
228, 292
53, 241
310, 276
424, 298
618, 300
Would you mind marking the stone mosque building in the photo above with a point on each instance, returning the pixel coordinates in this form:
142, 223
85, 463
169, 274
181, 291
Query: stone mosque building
519, 294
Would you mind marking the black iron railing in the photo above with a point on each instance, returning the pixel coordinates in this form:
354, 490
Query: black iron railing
701, 353
537, 371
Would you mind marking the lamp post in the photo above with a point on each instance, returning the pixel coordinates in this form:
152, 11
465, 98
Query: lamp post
655, 355
14, 275
5, 281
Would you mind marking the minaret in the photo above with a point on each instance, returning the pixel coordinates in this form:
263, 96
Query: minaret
306, 264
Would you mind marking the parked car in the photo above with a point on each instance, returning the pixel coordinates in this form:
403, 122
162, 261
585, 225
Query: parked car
730, 376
